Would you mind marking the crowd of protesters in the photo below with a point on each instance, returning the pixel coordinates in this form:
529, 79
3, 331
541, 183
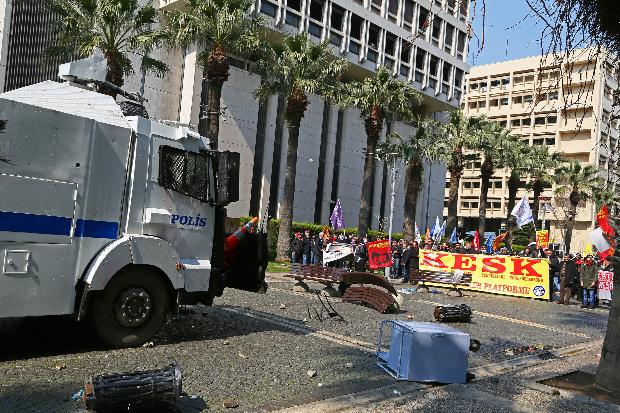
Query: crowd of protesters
570, 275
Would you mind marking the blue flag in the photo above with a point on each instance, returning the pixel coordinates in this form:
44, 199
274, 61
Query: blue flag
336, 219
489, 243
453, 238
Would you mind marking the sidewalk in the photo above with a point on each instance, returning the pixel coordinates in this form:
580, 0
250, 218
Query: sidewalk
510, 391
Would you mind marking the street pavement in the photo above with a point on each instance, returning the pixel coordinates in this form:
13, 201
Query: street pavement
260, 351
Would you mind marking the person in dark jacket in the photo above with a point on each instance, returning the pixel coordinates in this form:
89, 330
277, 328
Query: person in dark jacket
361, 256
414, 258
317, 250
307, 243
569, 276
554, 269
298, 248
406, 259
588, 274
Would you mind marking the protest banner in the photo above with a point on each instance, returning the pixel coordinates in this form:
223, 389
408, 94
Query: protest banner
542, 238
605, 284
336, 251
379, 254
498, 274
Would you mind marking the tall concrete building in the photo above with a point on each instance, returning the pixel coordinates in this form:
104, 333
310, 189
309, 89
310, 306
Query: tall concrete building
562, 103
423, 42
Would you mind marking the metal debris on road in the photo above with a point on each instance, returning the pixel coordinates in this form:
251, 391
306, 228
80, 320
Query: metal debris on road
78, 396
282, 306
408, 290
453, 313
230, 404
151, 390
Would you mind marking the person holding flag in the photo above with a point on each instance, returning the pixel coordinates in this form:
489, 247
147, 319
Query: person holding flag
418, 237
336, 218
476, 244
522, 212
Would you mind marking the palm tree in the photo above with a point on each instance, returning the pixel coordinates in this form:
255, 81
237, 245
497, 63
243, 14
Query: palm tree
222, 28
414, 152
458, 135
376, 97
296, 67
581, 182
116, 27
491, 144
516, 159
541, 162
607, 197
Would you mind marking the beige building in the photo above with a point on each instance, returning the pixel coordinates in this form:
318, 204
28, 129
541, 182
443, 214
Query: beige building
565, 104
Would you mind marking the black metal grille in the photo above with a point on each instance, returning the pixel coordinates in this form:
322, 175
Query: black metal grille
32, 32
227, 177
184, 172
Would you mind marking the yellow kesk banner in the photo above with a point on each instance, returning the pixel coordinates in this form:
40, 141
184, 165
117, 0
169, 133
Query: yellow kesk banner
498, 274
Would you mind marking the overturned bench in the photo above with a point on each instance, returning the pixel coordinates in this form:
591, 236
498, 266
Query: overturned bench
451, 280
380, 299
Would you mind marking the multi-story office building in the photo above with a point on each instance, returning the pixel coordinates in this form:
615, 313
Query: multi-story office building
564, 104
423, 42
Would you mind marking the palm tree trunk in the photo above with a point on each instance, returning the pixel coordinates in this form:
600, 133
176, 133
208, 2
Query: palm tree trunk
413, 184
216, 72
114, 73
373, 124
570, 223
486, 172
295, 109
513, 188
538, 189
456, 170
608, 372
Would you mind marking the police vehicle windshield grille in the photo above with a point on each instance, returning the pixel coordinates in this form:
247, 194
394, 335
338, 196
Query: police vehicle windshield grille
184, 172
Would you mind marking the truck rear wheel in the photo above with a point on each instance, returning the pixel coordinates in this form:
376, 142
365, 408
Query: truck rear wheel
131, 309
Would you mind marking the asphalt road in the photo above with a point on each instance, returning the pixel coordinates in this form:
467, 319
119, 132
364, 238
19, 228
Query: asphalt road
257, 349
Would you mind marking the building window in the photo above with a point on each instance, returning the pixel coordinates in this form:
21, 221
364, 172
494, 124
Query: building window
433, 71
373, 41
376, 6
463, 8
405, 56
448, 38
337, 17
423, 22
447, 74
392, 10
268, 8
408, 15
460, 45
420, 61
539, 120
436, 32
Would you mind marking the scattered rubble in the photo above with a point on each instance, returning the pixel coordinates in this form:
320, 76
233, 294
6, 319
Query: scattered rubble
311, 373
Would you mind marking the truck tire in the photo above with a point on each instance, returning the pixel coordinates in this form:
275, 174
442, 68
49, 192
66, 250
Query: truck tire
131, 309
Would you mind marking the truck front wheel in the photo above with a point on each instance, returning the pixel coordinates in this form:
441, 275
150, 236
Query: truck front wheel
131, 309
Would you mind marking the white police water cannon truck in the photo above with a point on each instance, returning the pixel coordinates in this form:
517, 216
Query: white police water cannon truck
108, 217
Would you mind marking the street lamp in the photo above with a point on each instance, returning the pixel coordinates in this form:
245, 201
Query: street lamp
390, 158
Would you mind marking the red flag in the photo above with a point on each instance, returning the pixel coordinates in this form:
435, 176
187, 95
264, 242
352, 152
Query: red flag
498, 240
477, 241
602, 217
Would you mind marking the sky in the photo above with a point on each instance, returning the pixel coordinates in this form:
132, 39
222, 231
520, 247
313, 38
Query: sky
511, 32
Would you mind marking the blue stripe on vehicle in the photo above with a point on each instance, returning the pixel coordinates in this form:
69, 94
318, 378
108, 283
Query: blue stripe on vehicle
96, 229
52, 225
34, 224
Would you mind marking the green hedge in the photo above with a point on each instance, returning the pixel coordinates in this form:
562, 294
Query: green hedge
274, 224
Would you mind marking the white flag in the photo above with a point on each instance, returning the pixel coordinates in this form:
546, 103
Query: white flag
598, 240
522, 212
418, 237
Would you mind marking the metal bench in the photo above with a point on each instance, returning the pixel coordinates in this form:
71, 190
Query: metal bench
378, 298
446, 278
374, 297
